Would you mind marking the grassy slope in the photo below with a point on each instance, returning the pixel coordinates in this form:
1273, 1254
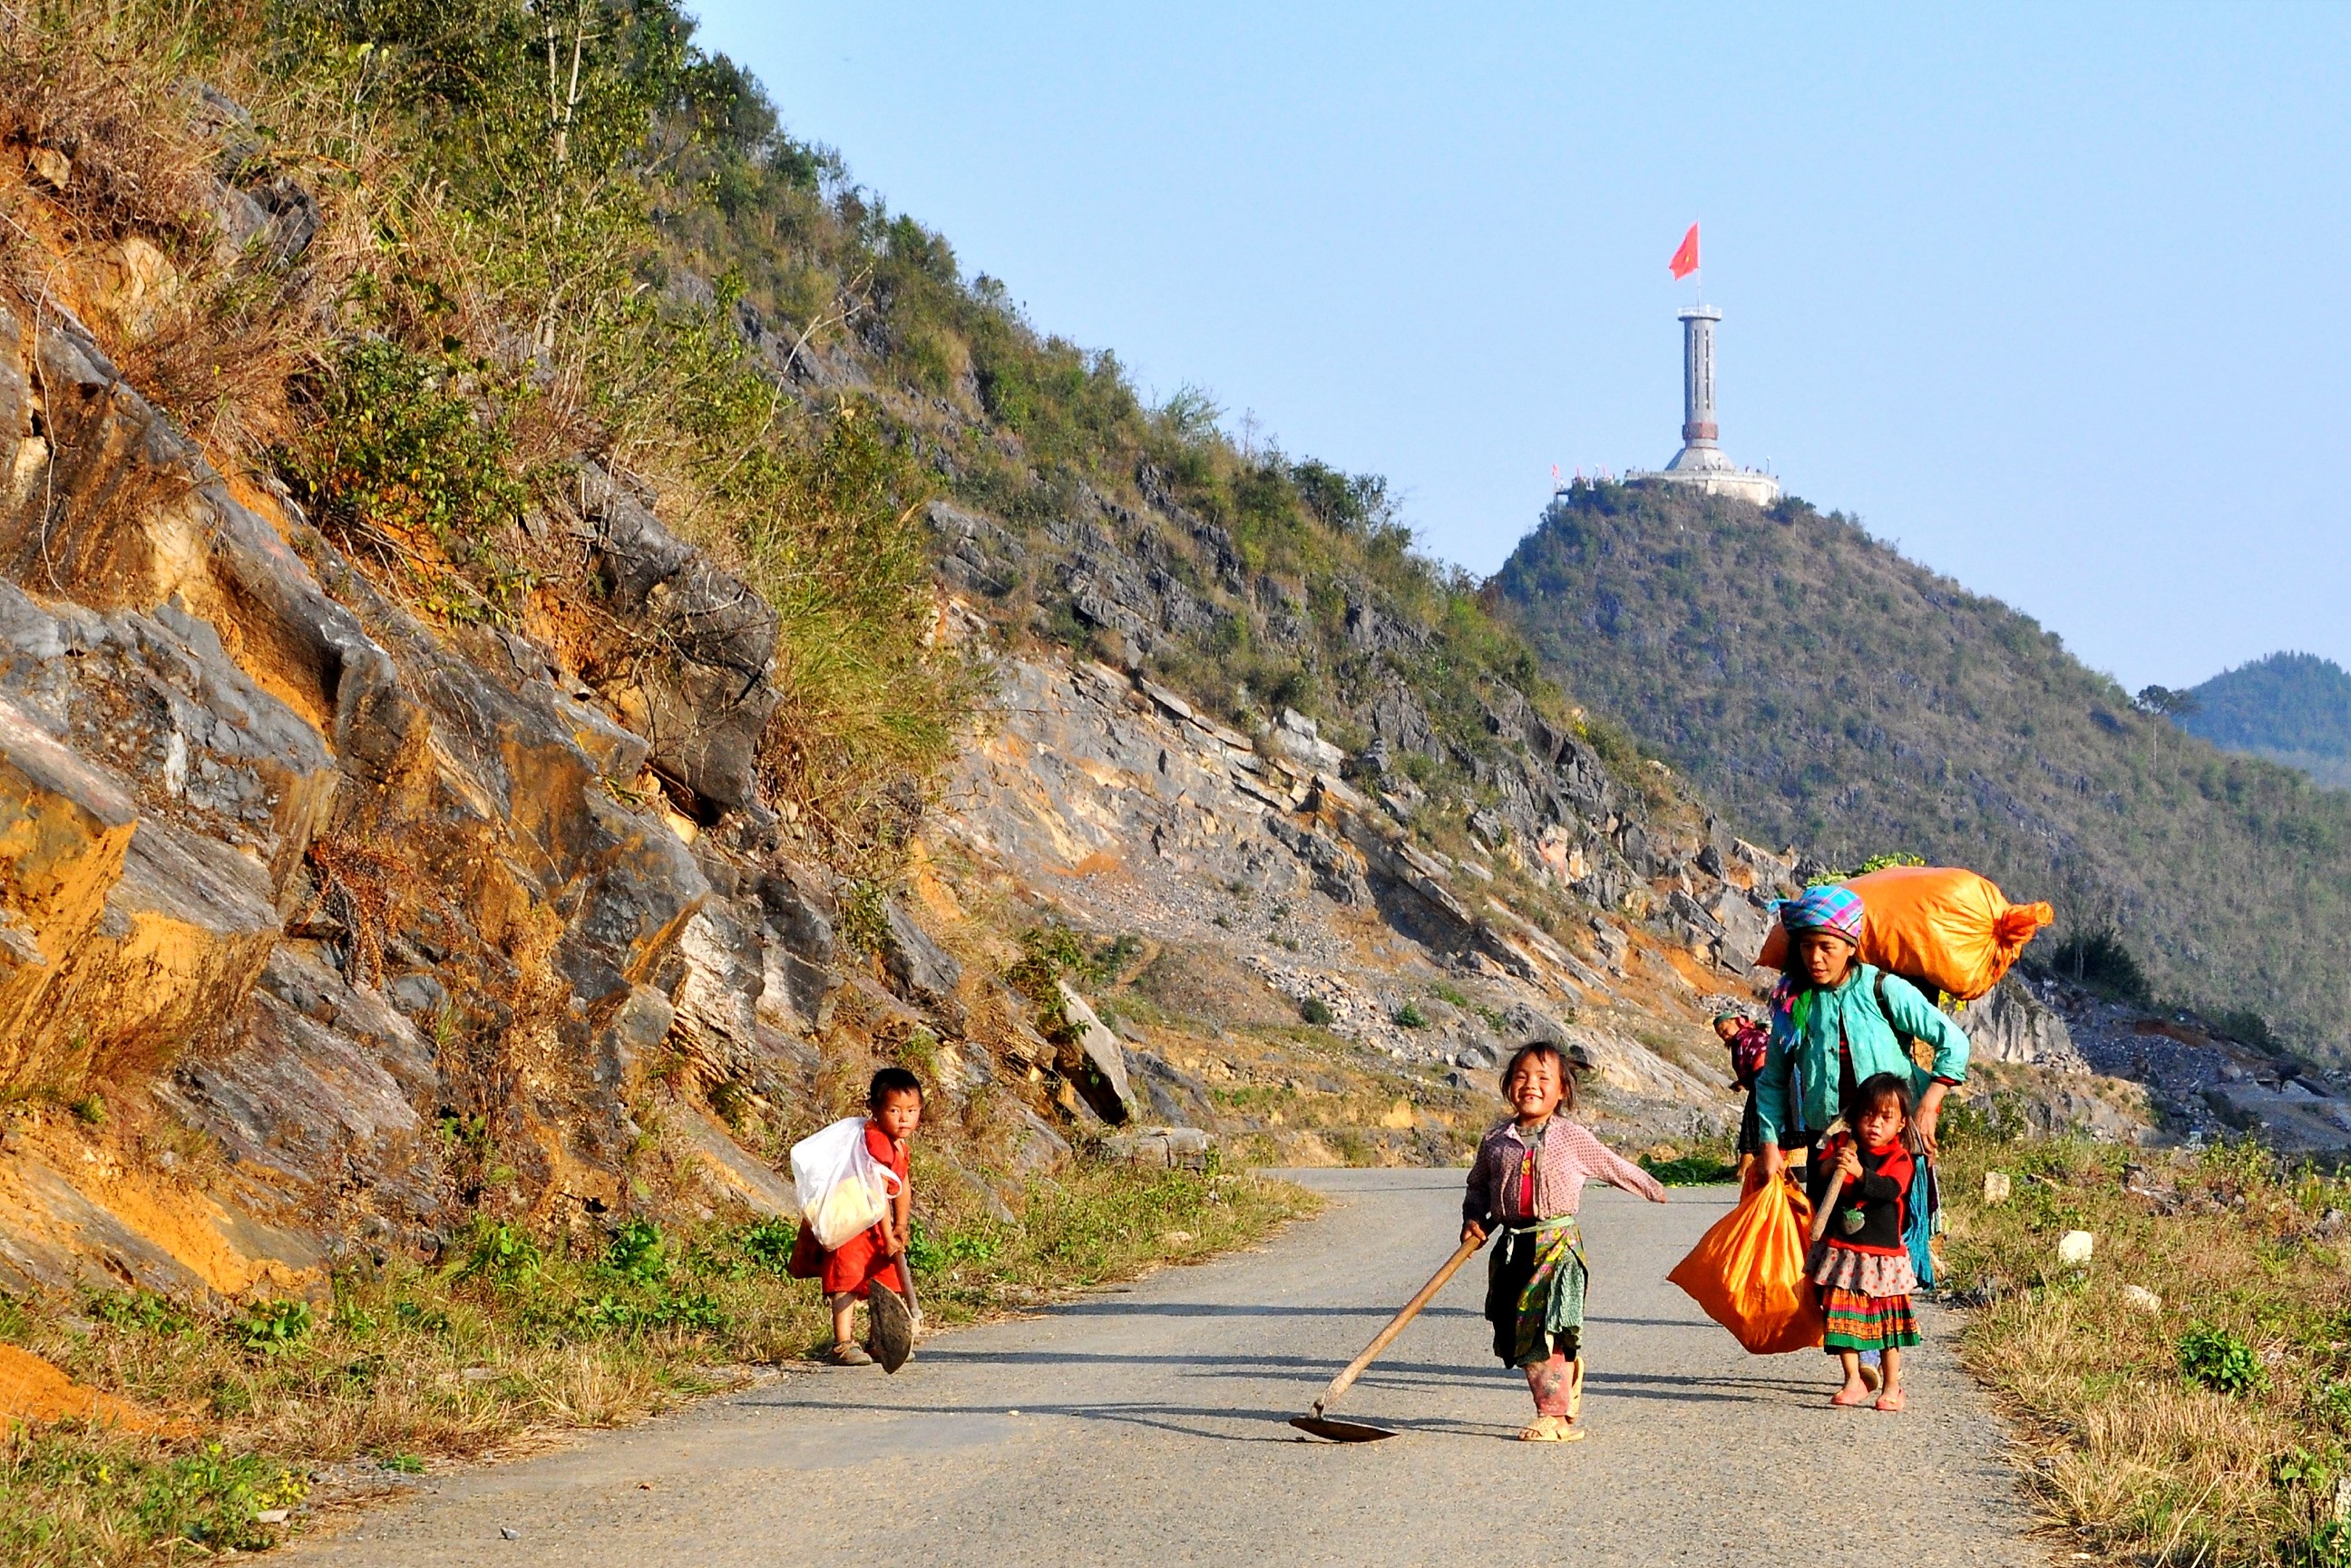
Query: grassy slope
2210, 1428
1834, 695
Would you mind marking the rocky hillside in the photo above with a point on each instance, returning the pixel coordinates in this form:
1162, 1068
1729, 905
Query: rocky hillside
1829, 692
446, 792
2292, 708
508, 722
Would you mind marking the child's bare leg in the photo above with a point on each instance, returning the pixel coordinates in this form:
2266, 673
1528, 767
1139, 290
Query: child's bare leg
844, 1311
1891, 1398
1855, 1390
1548, 1381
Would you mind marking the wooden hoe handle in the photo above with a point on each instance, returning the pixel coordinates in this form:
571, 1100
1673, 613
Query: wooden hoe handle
1386, 1336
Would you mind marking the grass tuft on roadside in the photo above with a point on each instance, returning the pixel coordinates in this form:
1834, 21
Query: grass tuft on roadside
1711, 1160
508, 1335
2185, 1396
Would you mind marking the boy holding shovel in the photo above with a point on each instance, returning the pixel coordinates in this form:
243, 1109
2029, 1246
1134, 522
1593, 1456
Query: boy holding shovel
871, 1266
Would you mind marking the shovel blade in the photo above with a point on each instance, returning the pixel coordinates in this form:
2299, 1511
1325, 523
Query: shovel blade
1340, 1431
894, 1327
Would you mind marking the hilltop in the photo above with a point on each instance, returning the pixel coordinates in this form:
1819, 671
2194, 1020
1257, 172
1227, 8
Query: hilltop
1832, 694
2292, 708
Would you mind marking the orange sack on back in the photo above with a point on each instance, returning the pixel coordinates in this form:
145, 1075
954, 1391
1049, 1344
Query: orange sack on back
1747, 1273
1942, 925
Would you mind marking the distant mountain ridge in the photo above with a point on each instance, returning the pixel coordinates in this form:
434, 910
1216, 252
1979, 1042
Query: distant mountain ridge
1829, 692
2292, 708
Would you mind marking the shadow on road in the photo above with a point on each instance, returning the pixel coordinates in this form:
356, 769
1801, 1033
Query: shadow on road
1208, 1423
1120, 1309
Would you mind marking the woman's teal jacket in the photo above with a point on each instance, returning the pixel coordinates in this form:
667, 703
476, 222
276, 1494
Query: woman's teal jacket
1804, 1045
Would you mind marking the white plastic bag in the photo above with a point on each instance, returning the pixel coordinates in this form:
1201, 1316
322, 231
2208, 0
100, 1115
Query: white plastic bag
843, 1189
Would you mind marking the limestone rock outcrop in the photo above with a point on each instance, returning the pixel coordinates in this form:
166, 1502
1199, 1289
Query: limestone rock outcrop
353, 895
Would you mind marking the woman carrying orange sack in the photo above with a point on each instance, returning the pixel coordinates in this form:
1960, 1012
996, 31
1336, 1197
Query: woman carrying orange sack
1838, 1021
1527, 1181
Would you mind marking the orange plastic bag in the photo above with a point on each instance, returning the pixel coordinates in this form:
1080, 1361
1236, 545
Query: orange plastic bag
1747, 1273
1938, 925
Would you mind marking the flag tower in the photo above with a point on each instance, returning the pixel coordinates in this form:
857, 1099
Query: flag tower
1701, 465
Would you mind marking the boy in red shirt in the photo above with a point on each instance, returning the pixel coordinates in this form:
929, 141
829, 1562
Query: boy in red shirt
865, 1267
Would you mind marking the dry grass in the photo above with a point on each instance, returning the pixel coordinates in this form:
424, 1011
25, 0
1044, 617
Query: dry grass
2142, 1460
432, 1365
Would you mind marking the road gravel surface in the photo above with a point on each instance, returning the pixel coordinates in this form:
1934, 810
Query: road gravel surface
1147, 1425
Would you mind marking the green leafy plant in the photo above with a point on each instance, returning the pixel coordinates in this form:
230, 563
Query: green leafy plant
1409, 1016
273, 1328
503, 1254
1707, 1165
1317, 1012
638, 1254
769, 1242
140, 1310
2217, 1359
935, 1257
213, 1498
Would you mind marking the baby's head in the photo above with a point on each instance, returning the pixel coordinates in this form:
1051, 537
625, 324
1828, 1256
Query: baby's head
1539, 1081
1879, 1110
894, 1101
1726, 1026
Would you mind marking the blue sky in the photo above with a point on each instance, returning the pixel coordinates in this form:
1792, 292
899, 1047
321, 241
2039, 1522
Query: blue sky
2055, 298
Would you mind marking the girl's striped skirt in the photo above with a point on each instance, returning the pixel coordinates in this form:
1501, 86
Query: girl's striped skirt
1865, 1298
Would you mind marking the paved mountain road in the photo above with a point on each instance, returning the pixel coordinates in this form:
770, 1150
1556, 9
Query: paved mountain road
1148, 1427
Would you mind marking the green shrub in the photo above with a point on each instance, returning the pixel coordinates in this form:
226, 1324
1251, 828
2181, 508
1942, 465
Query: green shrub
142, 1311
638, 1254
399, 459
768, 1243
1410, 1017
503, 1254
212, 1498
273, 1328
1317, 1012
935, 1256
2222, 1361
2099, 960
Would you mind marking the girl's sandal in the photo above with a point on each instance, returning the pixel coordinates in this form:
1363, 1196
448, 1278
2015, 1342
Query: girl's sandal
1869, 1377
1890, 1401
1840, 1400
1551, 1429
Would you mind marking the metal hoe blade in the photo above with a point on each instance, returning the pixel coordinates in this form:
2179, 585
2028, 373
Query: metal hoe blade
1340, 1431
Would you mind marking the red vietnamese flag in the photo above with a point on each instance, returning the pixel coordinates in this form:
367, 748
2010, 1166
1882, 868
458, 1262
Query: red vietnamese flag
1685, 261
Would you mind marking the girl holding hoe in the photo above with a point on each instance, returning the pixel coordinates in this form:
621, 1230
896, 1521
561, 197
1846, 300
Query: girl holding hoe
1860, 1260
1836, 1024
1526, 1183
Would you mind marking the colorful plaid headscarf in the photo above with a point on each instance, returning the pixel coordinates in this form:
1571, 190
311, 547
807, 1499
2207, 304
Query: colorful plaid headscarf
1832, 907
